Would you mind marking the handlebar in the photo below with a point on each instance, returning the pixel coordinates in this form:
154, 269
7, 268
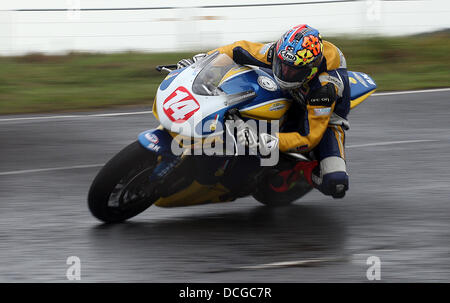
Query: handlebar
167, 68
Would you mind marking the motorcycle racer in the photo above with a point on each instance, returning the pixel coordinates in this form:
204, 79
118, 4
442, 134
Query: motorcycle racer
314, 72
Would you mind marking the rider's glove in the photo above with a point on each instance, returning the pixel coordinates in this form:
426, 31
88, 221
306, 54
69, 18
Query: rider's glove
267, 143
248, 136
186, 62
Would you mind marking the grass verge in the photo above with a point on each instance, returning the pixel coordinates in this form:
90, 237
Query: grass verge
85, 81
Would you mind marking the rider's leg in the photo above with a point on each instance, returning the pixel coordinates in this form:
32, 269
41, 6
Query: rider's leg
330, 176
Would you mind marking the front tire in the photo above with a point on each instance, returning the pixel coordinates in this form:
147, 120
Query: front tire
120, 189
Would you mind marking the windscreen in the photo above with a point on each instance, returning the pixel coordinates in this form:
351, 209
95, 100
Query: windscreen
208, 80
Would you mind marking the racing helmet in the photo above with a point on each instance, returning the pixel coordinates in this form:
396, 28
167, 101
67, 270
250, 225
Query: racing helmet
297, 57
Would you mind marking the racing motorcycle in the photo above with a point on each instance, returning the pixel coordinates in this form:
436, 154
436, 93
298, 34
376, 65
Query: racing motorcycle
194, 106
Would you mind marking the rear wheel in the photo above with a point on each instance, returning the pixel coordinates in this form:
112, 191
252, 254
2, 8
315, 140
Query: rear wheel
121, 189
266, 194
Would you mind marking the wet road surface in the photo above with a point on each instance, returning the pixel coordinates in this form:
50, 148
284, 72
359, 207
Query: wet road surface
397, 209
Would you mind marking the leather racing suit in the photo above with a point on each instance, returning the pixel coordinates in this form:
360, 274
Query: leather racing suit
316, 123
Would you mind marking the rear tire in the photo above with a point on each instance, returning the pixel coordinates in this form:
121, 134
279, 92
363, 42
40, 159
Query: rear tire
266, 195
122, 177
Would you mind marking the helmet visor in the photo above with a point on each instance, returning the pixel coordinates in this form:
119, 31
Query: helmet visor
290, 73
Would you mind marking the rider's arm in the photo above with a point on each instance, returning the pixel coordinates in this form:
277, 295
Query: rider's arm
320, 105
251, 53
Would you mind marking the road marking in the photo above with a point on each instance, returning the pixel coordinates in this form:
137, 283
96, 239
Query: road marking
121, 114
39, 118
27, 171
390, 143
39, 170
412, 92
297, 263
75, 116
43, 118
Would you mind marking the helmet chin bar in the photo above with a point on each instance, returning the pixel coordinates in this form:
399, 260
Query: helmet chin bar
287, 85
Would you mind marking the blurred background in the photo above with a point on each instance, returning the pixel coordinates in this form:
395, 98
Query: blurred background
77, 81
71, 55
56, 26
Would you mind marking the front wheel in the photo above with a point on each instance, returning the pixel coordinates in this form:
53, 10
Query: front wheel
121, 189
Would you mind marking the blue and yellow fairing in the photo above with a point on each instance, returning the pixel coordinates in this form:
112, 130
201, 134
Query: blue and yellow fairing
361, 87
266, 105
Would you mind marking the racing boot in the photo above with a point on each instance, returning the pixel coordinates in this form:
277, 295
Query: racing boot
331, 177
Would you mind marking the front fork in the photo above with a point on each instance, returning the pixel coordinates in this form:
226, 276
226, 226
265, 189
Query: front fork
159, 141
166, 164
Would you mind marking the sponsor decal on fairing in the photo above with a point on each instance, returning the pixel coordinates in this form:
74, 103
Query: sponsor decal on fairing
267, 83
180, 105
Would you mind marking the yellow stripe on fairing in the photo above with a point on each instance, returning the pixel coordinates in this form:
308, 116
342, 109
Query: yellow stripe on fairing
155, 112
232, 72
195, 194
354, 103
266, 112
